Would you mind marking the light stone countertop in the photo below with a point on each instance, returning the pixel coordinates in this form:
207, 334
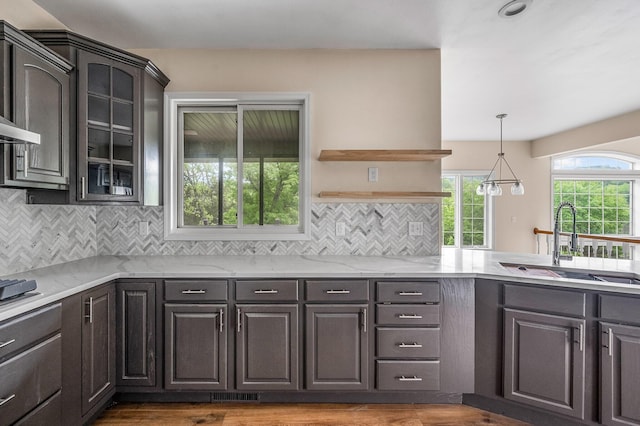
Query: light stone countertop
59, 281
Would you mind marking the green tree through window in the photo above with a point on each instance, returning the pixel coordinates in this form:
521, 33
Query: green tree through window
601, 187
270, 186
464, 215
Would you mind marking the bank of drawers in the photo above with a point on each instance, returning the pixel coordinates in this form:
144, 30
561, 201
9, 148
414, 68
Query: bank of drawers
407, 335
31, 368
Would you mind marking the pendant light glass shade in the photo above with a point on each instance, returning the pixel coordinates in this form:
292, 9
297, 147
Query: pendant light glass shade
491, 185
494, 190
517, 188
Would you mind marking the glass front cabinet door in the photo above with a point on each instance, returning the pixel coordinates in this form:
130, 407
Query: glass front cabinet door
109, 94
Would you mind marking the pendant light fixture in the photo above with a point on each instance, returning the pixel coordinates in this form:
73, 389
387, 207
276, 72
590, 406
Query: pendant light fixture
493, 186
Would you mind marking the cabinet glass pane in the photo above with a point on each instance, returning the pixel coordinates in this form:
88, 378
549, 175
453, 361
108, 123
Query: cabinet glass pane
122, 180
98, 143
98, 110
123, 114
99, 178
122, 147
122, 85
99, 81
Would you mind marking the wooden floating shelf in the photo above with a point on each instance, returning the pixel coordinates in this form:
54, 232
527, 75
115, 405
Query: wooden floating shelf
383, 154
382, 194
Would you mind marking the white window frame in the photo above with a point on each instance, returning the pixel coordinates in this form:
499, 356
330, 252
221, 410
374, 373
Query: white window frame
488, 210
604, 174
172, 167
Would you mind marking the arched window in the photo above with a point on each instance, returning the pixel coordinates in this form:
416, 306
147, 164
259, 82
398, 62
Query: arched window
601, 186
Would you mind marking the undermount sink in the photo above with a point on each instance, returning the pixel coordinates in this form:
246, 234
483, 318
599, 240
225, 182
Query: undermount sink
553, 272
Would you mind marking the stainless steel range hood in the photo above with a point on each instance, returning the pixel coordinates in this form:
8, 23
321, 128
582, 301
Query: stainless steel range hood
10, 133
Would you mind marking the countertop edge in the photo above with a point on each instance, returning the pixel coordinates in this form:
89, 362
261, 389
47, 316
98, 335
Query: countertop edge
58, 282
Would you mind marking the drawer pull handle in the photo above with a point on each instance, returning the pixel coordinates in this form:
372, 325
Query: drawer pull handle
410, 293
265, 291
7, 399
409, 379
7, 343
409, 316
410, 345
338, 291
194, 291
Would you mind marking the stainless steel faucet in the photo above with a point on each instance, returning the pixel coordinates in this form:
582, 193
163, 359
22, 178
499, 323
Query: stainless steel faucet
573, 244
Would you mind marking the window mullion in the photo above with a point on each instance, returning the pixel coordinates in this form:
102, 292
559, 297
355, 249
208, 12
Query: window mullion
240, 156
261, 192
220, 190
459, 238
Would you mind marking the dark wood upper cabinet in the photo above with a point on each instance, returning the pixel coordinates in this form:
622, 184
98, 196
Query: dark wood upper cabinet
116, 130
35, 96
108, 126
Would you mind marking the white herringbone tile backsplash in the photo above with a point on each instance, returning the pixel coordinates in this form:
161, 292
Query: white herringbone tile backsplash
32, 236
372, 229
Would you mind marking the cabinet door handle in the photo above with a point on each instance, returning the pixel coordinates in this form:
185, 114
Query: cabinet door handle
238, 320
89, 304
409, 316
7, 343
610, 342
265, 291
7, 399
409, 379
580, 329
410, 345
364, 320
221, 320
83, 188
26, 160
338, 291
410, 293
202, 291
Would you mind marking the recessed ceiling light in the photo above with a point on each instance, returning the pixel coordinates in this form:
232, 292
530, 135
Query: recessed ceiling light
513, 8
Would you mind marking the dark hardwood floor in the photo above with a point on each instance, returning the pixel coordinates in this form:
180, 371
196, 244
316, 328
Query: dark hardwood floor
299, 414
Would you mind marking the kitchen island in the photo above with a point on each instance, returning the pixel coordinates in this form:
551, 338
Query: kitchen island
450, 328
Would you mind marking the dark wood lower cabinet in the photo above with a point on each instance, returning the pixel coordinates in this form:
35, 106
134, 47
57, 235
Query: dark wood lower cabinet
267, 347
98, 346
544, 361
337, 347
195, 346
620, 363
136, 333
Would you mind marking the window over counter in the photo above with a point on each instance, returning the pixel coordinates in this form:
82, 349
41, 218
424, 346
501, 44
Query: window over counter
601, 186
238, 167
467, 219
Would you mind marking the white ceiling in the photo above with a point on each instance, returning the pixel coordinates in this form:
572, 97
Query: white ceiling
562, 64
